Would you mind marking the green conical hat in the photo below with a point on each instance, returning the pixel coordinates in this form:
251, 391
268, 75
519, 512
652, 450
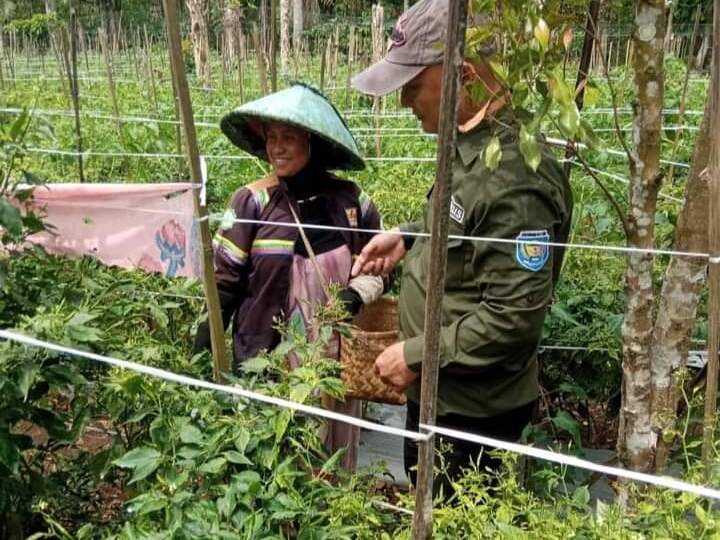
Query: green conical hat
300, 106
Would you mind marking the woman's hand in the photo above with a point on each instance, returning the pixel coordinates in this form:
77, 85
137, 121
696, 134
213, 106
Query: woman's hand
380, 255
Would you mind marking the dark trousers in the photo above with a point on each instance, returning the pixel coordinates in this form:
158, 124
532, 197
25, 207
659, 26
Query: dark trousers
507, 426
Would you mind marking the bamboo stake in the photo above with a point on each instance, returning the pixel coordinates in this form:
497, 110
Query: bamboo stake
176, 106
239, 59
217, 333
351, 52
713, 174
151, 70
273, 44
378, 49
323, 66
683, 102
447, 132
107, 56
2, 52
584, 67
75, 89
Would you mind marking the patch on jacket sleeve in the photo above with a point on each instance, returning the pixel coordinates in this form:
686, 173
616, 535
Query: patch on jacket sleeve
532, 249
457, 212
352, 216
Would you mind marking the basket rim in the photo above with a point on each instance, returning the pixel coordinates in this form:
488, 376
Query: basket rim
383, 334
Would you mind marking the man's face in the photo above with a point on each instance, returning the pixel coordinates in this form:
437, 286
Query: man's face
422, 95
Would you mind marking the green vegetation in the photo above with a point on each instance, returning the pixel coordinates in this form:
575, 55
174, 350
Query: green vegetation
88, 451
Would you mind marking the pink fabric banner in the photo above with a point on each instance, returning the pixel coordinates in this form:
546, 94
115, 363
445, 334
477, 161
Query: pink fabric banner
144, 226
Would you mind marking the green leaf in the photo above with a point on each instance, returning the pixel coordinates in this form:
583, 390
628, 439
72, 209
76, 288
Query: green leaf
300, 392
28, 372
143, 461
146, 503
529, 148
214, 466
559, 311
581, 496
189, 434
331, 465
569, 119
493, 153
10, 218
9, 455
281, 423
542, 34
236, 457
19, 125
257, 364
563, 421
242, 439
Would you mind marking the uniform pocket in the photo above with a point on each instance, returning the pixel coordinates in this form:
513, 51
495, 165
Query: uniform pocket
455, 273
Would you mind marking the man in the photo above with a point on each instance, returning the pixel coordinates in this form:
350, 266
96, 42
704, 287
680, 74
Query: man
496, 294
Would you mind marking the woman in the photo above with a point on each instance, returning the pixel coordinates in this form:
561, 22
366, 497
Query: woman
264, 270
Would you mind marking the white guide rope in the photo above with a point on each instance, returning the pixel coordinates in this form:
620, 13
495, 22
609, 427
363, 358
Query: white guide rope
530, 451
599, 247
199, 383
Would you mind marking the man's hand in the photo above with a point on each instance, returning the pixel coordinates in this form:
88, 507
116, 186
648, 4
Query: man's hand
392, 369
380, 255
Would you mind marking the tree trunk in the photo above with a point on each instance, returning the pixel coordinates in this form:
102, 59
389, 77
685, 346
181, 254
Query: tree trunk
636, 440
232, 28
682, 285
198, 10
284, 36
298, 27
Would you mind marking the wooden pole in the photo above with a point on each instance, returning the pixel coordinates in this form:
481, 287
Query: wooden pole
713, 172
351, 53
217, 333
107, 56
447, 132
584, 67
75, 89
238, 37
683, 102
151, 70
273, 44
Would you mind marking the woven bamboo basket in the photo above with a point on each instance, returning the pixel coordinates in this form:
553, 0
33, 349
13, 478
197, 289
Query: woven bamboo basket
374, 329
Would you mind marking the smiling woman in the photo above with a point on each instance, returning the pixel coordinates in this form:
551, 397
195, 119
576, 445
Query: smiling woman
287, 147
267, 272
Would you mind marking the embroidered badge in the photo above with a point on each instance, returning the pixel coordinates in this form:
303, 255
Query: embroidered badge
398, 38
532, 251
352, 216
457, 212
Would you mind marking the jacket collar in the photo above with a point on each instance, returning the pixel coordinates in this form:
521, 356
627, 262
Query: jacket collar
471, 144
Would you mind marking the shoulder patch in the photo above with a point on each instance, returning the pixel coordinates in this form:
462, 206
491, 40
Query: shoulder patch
457, 212
532, 250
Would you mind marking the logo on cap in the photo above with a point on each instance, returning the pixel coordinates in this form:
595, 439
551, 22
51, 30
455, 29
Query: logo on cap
398, 36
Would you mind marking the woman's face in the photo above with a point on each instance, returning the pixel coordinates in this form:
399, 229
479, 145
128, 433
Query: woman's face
288, 148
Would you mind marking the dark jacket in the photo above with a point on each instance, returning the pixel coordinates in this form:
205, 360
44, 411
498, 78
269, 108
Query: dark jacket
253, 261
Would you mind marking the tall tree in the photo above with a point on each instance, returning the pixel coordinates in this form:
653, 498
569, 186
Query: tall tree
636, 439
284, 36
198, 10
297, 26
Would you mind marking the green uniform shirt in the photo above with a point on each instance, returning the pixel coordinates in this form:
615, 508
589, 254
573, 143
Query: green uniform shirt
496, 294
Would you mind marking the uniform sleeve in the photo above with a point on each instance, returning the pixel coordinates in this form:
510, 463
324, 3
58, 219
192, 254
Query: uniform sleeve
514, 289
412, 227
233, 241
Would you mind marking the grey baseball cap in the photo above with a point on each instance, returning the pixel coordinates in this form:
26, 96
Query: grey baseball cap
415, 43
